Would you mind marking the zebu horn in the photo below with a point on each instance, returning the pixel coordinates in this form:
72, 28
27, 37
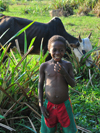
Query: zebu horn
71, 44
79, 38
89, 35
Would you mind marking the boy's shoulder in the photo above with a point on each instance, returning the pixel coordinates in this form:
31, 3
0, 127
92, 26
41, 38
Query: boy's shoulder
66, 62
44, 65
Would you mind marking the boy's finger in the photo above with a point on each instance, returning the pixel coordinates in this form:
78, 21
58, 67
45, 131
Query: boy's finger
58, 64
55, 66
54, 69
46, 113
45, 116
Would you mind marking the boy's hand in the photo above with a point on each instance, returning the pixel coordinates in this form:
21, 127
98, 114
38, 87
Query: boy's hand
44, 112
59, 68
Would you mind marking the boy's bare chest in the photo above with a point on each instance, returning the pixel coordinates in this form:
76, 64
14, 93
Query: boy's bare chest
51, 74
50, 71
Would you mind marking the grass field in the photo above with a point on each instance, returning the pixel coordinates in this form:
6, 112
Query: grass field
85, 100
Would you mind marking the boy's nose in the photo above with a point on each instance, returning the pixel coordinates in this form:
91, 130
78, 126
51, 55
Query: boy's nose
57, 52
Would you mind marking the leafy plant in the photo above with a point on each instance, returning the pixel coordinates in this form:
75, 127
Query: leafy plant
18, 82
4, 5
96, 9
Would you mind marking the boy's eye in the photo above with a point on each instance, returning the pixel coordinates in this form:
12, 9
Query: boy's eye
61, 50
54, 50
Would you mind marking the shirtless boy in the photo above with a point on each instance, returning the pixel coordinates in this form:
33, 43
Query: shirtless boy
56, 74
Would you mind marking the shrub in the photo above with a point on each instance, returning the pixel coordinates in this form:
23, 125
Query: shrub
64, 6
86, 6
96, 9
83, 10
18, 86
4, 6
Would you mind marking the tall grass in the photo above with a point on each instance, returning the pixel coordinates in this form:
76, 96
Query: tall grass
18, 84
73, 3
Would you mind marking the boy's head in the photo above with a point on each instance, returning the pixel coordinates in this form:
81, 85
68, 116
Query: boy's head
57, 47
56, 38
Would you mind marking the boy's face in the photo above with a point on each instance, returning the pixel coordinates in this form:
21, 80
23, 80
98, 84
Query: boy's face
57, 50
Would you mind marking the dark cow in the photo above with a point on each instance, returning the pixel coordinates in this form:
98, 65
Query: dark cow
38, 30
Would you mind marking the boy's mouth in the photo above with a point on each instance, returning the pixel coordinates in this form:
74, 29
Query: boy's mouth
57, 57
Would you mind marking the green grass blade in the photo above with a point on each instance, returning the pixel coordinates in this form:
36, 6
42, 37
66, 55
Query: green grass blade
21, 109
2, 131
43, 58
4, 33
25, 50
88, 53
2, 117
32, 41
25, 43
41, 50
2, 54
21, 76
12, 78
26, 127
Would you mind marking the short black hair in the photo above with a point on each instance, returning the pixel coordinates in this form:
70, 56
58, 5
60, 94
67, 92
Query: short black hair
57, 38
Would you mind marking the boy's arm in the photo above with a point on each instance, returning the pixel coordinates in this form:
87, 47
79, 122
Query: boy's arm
40, 90
68, 75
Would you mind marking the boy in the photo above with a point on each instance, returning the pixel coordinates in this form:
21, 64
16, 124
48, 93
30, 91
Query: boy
57, 74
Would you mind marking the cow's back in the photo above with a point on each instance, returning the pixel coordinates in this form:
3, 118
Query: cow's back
14, 24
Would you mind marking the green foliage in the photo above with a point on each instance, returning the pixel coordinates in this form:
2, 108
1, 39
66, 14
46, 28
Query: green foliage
89, 3
61, 4
26, 127
56, 4
85, 96
96, 9
19, 79
37, 7
86, 107
4, 5
2, 117
84, 6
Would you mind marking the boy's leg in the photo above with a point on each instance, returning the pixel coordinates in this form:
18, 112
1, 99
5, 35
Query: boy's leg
72, 127
44, 127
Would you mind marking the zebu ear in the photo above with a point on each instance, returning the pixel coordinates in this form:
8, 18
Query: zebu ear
79, 38
73, 45
89, 35
67, 44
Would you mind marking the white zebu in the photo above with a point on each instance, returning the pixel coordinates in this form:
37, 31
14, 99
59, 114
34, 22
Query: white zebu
84, 47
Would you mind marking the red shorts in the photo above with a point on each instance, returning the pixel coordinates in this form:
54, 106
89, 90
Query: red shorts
58, 113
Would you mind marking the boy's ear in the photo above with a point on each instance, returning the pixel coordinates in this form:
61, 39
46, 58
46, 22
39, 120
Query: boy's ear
49, 50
